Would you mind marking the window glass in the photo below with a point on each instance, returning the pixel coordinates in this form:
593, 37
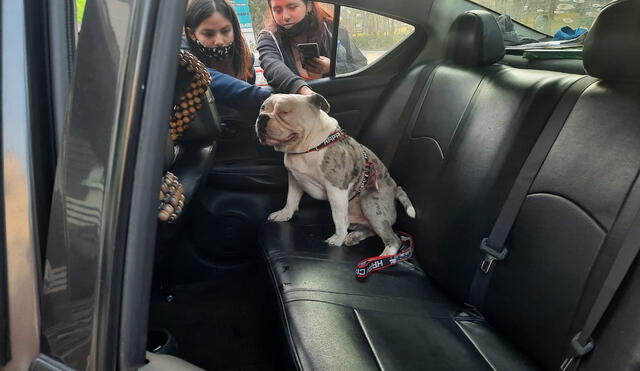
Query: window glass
79, 13
257, 16
548, 16
369, 34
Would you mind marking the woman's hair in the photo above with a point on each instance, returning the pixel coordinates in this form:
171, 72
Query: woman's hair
199, 10
319, 15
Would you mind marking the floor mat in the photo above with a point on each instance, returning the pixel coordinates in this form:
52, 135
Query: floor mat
229, 324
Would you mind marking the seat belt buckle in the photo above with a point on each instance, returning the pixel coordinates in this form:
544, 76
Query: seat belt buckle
491, 255
577, 351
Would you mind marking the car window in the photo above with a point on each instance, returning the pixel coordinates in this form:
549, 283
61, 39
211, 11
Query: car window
79, 13
371, 34
557, 18
363, 37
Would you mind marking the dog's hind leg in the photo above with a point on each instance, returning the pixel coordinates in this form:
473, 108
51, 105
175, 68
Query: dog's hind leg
391, 241
360, 233
381, 213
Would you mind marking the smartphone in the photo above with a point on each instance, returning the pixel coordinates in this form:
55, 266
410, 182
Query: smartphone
309, 50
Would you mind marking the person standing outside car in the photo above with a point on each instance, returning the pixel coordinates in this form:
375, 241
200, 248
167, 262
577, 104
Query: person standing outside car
212, 34
295, 22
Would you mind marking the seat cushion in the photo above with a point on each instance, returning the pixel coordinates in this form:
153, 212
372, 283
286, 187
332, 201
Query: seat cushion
395, 319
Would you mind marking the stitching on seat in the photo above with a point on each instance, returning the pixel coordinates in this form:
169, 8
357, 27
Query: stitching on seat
434, 140
586, 212
366, 336
363, 295
283, 313
418, 315
282, 255
466, 335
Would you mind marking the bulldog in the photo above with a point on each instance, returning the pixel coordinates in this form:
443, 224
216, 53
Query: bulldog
327, 164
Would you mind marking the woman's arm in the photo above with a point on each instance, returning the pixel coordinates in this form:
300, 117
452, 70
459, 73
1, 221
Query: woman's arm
236, 93
278, 74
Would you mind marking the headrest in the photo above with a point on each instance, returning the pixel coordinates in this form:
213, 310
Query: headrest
475, 39
612, 47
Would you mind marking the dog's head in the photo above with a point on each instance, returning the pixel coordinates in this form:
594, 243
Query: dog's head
286, 121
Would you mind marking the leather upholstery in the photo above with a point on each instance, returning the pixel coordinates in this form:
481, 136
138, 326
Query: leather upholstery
475, 40
568, 215
457, 161
612, 47
336, 322
484, 144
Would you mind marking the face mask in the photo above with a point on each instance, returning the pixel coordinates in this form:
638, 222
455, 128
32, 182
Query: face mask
218, 53
297, 29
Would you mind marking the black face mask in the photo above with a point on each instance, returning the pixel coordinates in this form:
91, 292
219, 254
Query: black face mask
298, 28
218, 53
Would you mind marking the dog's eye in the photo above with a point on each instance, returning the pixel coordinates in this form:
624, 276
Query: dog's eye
282, 113
262, 108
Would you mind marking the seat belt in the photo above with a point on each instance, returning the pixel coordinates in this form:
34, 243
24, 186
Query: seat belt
494, 246
582, 343
409, 113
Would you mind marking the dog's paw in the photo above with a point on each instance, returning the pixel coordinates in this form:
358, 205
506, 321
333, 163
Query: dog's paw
335, 240
354, 238
389, 251
280, 216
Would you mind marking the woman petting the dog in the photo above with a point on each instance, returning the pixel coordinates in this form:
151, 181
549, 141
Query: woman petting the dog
295, 22
212, 33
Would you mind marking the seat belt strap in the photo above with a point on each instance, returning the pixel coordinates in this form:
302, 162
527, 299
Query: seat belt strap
582, 343
494, 247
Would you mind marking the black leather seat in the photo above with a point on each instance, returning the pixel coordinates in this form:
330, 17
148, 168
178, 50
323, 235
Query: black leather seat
474, 127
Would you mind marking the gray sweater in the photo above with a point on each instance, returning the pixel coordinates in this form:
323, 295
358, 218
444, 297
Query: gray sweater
278, 61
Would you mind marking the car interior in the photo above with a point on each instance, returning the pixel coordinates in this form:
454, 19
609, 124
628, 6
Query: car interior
544, 152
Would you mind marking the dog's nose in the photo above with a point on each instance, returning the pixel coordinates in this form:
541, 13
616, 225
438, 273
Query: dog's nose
262, 122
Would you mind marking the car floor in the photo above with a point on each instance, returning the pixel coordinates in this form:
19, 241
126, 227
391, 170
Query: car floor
227, 323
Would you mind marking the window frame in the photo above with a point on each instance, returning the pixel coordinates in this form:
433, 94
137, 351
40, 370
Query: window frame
337, 8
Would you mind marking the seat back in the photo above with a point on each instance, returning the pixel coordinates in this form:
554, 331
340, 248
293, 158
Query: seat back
475, 124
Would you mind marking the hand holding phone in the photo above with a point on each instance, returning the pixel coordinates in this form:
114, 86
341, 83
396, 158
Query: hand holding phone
309, 50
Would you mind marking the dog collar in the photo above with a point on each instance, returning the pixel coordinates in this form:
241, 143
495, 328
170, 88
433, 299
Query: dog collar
333, 138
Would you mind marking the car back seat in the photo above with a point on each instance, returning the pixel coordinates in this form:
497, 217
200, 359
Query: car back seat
404, 319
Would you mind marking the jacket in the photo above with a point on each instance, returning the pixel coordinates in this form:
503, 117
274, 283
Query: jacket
278, 61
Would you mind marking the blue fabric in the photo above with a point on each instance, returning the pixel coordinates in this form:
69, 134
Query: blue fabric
236, 93
568, 33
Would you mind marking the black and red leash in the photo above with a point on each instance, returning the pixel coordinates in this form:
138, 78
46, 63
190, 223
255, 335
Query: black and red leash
376, 263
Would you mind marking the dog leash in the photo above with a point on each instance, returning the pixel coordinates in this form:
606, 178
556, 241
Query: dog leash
376, 263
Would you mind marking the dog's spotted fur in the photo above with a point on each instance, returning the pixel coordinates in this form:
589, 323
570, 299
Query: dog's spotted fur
294, 124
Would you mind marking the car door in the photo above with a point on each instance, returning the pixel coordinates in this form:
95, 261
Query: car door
101, 235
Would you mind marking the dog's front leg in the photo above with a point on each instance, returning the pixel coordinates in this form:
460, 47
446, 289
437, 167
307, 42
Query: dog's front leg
293, 200
339, 201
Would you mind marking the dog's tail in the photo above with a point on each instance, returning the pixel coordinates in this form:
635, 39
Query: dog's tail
401, 196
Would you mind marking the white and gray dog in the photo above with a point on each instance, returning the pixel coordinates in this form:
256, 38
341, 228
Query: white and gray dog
329, 165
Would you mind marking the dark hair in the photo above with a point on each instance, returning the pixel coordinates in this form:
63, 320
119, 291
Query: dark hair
319, 16
198, 11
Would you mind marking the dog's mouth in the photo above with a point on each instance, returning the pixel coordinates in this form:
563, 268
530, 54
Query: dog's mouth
271, 141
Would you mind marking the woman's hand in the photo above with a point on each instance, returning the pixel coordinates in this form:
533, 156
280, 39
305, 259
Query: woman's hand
305, 90
320, 65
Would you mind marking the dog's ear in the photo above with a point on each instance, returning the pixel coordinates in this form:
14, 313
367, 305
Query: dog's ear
319, 101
